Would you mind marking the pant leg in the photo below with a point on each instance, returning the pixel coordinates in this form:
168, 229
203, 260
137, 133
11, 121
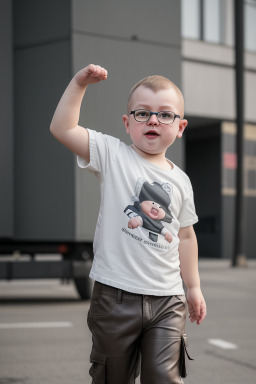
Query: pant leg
115, 323
164, 323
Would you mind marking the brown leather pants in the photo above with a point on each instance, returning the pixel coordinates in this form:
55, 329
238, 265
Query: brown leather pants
134, 334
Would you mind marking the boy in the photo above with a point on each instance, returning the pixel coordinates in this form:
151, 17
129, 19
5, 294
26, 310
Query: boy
144, 238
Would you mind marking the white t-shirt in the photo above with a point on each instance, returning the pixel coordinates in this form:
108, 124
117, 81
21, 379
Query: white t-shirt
138, 260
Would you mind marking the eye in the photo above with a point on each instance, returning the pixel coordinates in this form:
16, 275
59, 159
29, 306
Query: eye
141, 113
166, 115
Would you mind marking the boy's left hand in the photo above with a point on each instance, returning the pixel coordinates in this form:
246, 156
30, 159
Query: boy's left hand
196, 305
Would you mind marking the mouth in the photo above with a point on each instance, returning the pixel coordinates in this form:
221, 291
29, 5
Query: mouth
152, 134
154, 211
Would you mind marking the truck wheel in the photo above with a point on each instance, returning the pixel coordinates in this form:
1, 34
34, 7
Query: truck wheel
82, 263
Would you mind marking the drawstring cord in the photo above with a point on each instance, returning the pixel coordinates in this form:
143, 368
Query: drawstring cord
183, 353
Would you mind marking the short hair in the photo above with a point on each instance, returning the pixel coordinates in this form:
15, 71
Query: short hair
156, 83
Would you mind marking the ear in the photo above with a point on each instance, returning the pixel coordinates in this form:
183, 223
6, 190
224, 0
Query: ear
126, 123
182, 125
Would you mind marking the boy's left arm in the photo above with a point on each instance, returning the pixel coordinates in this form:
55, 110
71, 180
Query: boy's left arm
188, 251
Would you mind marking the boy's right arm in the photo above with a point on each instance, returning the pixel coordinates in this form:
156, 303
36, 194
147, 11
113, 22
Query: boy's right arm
64, 126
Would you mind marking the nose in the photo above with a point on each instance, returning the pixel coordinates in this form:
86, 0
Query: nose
153, 120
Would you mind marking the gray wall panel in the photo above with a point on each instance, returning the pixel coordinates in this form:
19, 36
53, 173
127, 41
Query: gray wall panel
209, 90
44, 193
6, 124
209, 80
250, 95
154, 21
40, 21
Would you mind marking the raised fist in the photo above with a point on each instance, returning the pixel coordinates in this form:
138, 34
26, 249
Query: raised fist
90, 75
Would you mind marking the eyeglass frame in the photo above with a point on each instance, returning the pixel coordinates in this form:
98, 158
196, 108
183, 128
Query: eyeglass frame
153, 113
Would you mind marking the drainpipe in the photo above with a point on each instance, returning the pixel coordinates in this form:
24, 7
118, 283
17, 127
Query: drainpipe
239, 256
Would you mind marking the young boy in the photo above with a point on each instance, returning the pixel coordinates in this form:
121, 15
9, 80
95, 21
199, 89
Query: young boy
144, 240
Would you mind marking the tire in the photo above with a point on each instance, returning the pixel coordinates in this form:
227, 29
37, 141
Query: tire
82, 263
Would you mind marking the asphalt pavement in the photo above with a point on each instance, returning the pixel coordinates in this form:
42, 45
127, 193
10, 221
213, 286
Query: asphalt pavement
44, 336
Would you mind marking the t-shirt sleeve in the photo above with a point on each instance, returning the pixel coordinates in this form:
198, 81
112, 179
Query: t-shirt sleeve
187, 215
103, 150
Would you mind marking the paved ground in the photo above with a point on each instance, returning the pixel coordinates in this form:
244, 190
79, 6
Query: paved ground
55, 348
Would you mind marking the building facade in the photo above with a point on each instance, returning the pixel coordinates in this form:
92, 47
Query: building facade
45, 195
208, 81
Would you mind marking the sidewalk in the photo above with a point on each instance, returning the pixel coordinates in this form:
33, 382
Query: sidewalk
231, 314
230, 296
221, 263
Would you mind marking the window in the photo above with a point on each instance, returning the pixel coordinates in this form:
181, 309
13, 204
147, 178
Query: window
190, 21
204, 19
250, 25
213, 21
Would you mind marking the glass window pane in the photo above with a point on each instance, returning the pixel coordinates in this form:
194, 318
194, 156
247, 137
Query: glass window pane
212, 18
190, 20
228, 23
250, 26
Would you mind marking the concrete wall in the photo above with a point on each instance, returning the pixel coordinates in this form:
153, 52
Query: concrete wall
45, 196
208, 78
6, 125
132, 40
44, 170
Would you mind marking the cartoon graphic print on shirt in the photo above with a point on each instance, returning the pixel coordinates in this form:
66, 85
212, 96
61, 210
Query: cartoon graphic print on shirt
151, 208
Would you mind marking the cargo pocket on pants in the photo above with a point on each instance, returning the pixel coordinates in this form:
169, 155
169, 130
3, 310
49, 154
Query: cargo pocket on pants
183, 353
98, 368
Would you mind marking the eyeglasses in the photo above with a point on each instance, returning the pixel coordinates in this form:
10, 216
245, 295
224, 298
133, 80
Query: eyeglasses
142, 116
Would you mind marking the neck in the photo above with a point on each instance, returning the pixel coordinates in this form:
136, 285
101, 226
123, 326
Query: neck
158, 159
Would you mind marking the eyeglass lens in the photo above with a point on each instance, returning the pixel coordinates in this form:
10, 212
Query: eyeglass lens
163, 117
